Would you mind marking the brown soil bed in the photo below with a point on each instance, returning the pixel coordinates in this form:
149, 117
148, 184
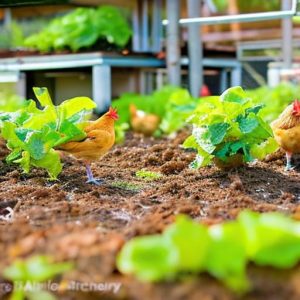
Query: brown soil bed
72, 220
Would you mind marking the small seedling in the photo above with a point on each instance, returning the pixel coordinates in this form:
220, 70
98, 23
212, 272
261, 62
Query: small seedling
28, 276
148, 175
128, 186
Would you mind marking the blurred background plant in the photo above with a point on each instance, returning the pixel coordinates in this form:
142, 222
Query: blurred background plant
247, 6
171, 104
82, 28
11, 36
27, 274
274, 99
9, 100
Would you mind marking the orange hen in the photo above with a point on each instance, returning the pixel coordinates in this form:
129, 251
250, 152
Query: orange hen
143, 122
286, 129
100, 137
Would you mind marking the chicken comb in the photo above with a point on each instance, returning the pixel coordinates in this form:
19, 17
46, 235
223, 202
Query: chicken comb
296, 106
112, 112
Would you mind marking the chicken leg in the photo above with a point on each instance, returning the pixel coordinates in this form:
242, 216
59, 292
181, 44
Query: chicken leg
90, 176
288, 166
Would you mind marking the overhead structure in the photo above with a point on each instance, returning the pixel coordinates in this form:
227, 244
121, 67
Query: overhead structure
288, 10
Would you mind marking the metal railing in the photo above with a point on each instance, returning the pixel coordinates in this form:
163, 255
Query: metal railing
250, 17
196, 52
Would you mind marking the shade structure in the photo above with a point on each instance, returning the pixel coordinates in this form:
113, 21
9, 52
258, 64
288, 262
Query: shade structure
14, 3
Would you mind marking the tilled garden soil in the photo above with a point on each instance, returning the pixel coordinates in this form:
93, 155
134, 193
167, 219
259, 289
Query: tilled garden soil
71, 220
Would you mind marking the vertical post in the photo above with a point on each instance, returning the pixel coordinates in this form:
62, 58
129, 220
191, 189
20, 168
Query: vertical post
145, 25
21, 85
173, 42
223, 80
287, 36
136, 37
7, 17
236, 75
156, 34
102, 87
195, 49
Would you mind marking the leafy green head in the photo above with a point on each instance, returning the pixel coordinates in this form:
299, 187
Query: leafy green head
227, 125
223, 250
33, 133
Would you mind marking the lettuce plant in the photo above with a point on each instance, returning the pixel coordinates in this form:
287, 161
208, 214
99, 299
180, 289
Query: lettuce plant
229, 125
32, 133
275, 99
222, 250
83, 27
172, 104
31, 272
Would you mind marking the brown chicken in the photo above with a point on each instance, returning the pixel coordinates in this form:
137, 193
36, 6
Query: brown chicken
142, 122
286, 131
100, 137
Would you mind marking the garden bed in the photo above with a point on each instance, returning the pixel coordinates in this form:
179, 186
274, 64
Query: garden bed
71, 220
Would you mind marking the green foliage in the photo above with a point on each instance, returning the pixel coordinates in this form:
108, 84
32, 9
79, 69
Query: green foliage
9, 101
11, 36
274, 99
249, 6
81, 28
36, 269
120, 132
171, 104
148, 175
178, 107
128, 186
222, 250
32, 133
228, 125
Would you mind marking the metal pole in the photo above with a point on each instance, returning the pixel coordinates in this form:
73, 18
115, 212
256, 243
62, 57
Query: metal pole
7, 17
287, 36
173, 42
102, 87
252, 17
145, 25
195, 49
156, 34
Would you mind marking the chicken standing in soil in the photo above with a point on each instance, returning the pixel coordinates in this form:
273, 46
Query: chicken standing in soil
100, 137
286, 129
143, 122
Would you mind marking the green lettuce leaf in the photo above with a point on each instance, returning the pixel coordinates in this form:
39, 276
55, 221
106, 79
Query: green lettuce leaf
190, 258
151, 258
32, 133
50, 162
228, 125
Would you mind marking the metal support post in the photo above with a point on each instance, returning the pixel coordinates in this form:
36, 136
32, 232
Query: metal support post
173, 42
21, 85
195, 49
156, 30
236, 76
102, 87
287, 36
223, 80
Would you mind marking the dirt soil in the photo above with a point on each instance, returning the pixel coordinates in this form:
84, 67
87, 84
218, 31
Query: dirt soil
72, 220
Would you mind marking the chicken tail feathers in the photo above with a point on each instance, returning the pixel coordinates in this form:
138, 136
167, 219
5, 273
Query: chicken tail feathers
132, 110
